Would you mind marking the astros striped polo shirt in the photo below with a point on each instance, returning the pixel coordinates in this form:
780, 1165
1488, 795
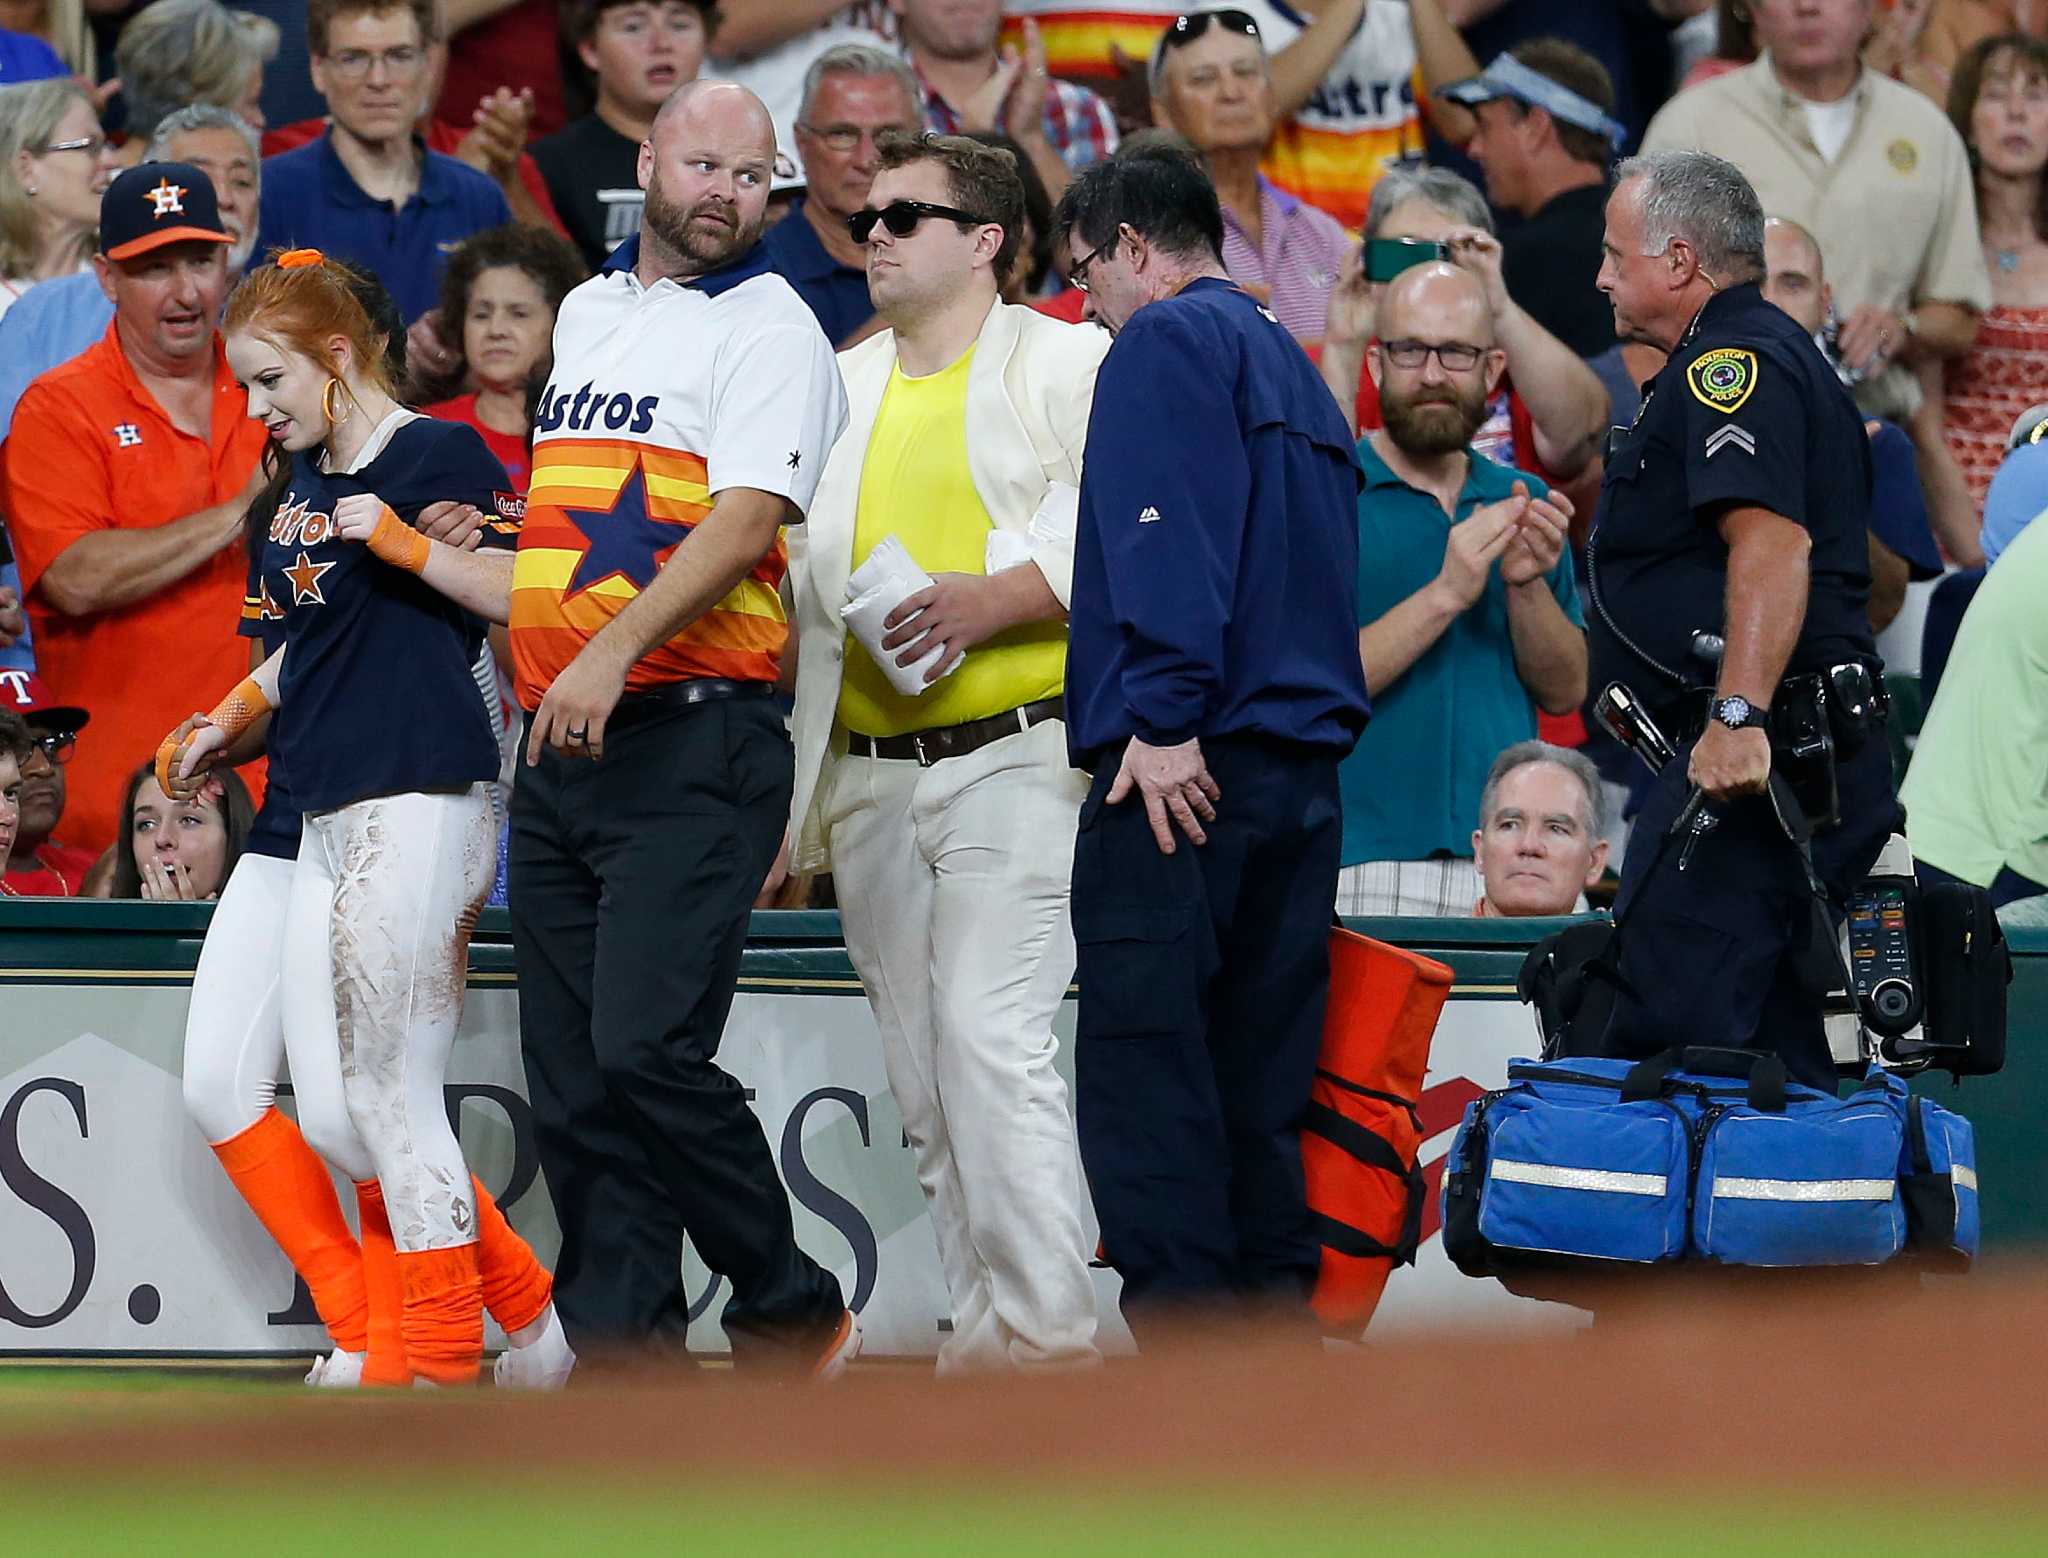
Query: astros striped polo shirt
662, 397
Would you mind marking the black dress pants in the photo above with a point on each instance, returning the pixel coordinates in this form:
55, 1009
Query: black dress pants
1204, 975
631, 881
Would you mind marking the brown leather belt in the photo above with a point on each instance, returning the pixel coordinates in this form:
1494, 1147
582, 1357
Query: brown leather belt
926, 747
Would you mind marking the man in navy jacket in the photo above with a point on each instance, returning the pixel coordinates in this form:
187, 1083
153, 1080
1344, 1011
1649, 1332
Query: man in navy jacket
1213, 684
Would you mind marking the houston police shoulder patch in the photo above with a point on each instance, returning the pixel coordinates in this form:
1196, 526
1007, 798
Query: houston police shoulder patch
1722, 377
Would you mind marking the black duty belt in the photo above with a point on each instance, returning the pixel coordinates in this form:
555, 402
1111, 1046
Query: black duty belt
926, 747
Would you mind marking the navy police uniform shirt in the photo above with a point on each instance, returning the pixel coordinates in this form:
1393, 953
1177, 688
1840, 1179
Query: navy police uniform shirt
377, 697
1216, 557
1745, 412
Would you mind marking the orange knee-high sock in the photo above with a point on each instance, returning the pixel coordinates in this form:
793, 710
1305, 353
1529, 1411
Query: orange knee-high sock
288, 1188
517, 1286
444, 1313
385, 1288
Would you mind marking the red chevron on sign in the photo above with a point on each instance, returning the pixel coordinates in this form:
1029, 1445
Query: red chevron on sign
1439, 1109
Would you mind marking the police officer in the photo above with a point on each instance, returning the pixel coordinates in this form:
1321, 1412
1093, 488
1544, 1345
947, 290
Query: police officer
1213, 685
1735, 505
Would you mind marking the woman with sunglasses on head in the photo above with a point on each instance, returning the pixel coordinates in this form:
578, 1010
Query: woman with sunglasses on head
390, 774
54, 164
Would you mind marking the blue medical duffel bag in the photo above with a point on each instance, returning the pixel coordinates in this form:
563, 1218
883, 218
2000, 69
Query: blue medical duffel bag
1704, 1155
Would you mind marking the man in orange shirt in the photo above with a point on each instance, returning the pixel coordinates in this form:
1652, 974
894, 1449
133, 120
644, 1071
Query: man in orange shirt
128, 471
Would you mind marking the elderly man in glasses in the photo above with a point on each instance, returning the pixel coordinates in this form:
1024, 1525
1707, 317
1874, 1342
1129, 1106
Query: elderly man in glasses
37, 865
1468, 614
932, 774
369, 191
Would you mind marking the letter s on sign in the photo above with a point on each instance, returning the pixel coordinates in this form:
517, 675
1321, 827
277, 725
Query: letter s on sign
35, 1191
814, 1195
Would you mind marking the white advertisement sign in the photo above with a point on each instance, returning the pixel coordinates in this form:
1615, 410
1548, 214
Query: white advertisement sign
119, 1234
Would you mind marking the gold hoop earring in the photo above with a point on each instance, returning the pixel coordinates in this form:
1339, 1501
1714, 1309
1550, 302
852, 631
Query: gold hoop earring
327, 403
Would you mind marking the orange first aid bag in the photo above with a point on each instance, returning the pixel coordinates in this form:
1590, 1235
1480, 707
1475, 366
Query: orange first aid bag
1360, 1137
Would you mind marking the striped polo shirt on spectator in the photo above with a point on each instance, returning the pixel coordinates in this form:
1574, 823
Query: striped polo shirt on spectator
1300, 253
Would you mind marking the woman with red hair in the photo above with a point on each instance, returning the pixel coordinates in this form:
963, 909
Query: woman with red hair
390, 751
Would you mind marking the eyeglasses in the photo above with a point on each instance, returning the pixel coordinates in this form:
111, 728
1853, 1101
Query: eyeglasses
1456, 356
843, 138
92, 144
58, 749
1077, 273
902, 216
354, 64
1186, 29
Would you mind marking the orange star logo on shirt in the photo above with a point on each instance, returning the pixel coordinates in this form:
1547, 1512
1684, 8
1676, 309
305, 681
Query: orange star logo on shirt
305, 581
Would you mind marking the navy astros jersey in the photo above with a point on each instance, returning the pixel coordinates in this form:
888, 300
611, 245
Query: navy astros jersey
377, 696
1745, 412
276, 830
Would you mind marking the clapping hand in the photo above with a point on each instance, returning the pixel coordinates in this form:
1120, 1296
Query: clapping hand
1540, 538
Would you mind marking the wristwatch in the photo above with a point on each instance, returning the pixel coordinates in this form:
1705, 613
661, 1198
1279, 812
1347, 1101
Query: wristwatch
1738, 713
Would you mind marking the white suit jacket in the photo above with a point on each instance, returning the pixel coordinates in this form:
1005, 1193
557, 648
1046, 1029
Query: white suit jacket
1029, 391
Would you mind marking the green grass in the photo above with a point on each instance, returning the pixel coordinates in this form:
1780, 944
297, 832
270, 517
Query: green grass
582, 1515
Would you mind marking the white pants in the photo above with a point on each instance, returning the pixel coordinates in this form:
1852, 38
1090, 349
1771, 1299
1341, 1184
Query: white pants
953, 888
383, 898
235, 1029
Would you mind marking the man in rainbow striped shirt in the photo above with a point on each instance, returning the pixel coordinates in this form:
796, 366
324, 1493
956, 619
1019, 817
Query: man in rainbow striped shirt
692, 404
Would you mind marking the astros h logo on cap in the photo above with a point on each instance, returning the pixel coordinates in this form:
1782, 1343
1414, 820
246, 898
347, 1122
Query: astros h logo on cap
156, 204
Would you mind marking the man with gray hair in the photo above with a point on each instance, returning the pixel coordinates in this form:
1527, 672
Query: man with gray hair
853, 94
1728, 582
1541, 840
1548, 412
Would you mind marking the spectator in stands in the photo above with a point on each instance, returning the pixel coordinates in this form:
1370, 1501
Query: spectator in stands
1734, 45
1999, 105
54, 163
1548, 413
175, 53
59, 319
2018, 494
59, 23
1920, 42
1103, 44
1544, 137
1976, 808
369, 191
769, 47
1902, 548
1212, 84
1344, 82
128, 471
1872, 170
172, 851
501, 291
25, 57
1468, 613
1541, 840
1624, 37
491, 137
851, 95
14, 747
495, 42
636, 52
967, 85
38, 864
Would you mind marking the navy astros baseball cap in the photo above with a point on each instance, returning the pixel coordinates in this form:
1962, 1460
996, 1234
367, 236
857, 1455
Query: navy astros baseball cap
155, 204
1509, 77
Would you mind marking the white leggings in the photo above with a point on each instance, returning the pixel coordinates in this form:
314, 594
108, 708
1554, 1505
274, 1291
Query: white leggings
382, 902
235, 1029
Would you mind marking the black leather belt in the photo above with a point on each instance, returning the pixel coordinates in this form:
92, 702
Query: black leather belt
926, 747
680, 695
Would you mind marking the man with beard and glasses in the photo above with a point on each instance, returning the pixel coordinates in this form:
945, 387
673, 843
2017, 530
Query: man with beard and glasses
1468, 614
692, 403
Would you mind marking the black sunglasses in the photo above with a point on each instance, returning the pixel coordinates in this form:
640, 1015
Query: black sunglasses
902, 216
1186, 29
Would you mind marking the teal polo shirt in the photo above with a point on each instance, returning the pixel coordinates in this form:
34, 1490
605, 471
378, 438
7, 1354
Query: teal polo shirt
1411, 786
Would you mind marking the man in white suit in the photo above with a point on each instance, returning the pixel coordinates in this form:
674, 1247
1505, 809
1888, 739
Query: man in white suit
947, 814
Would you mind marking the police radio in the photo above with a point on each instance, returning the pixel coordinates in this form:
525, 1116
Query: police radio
1884, 959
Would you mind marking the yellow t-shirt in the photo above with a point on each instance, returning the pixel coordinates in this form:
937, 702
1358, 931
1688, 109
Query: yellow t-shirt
916, 485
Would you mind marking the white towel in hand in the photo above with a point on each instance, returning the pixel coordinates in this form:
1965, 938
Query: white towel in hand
877, 587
